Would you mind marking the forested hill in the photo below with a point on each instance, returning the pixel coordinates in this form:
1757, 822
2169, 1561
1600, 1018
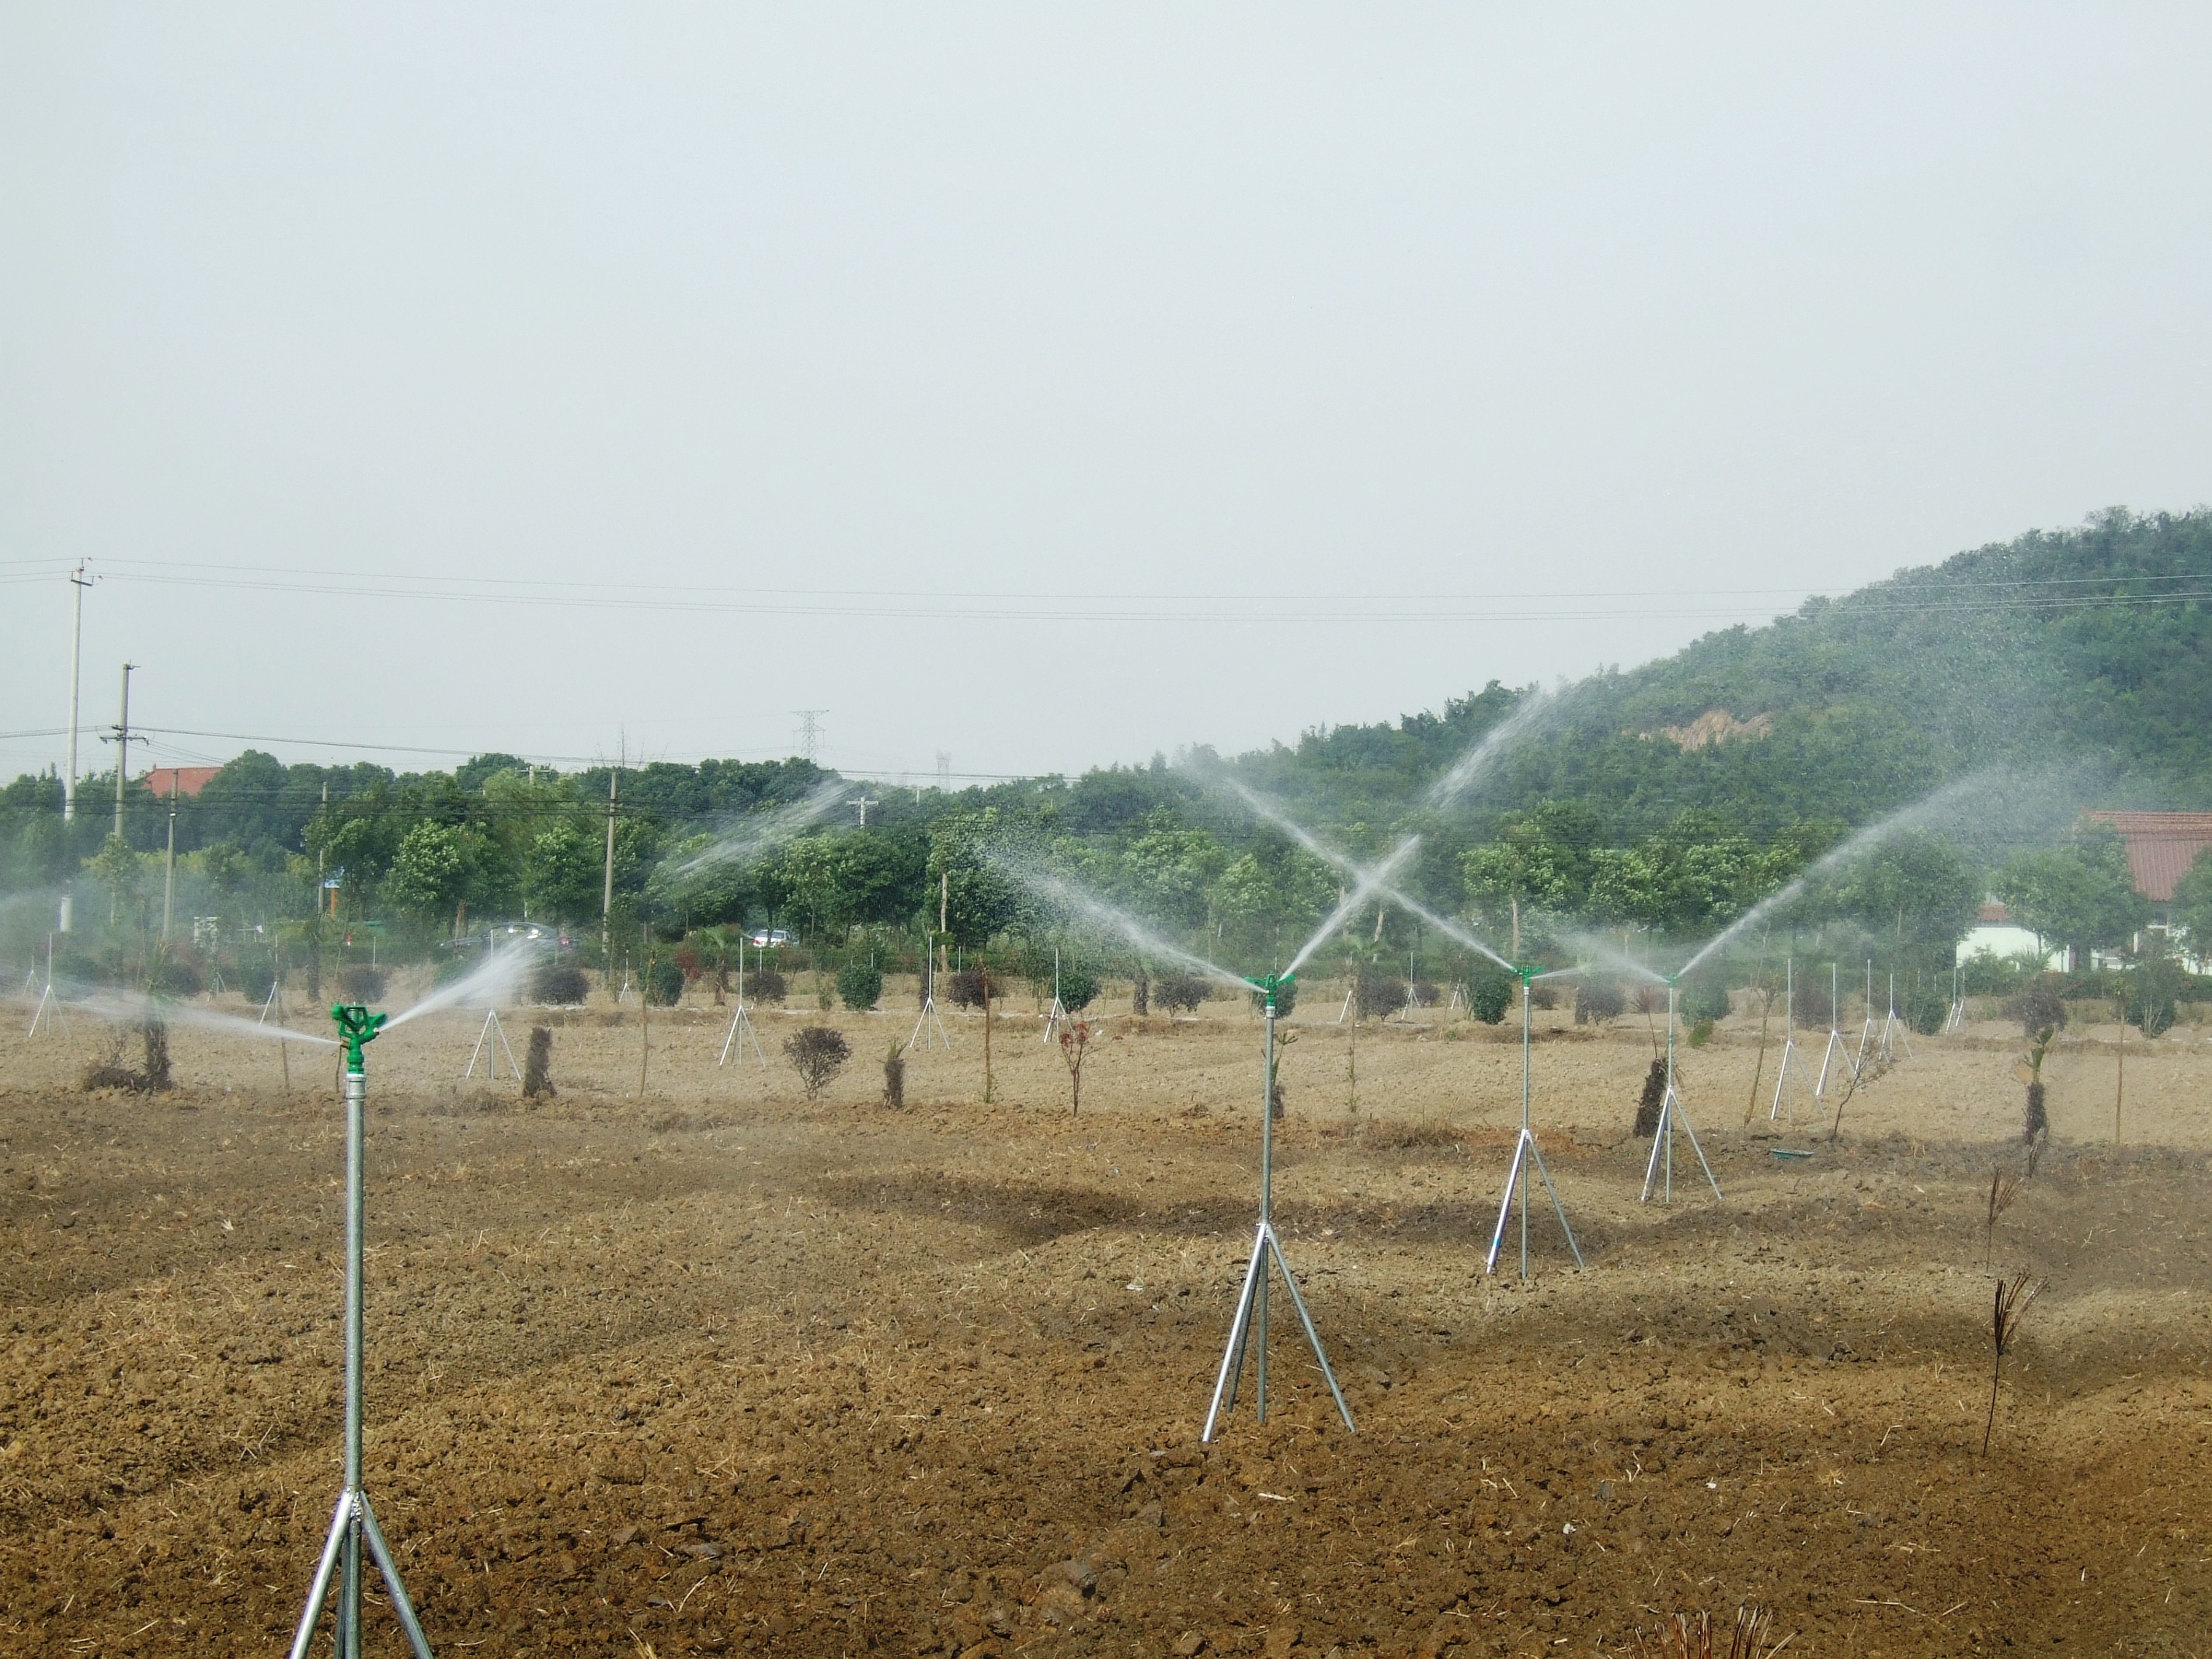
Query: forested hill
2085, 652
2089, 648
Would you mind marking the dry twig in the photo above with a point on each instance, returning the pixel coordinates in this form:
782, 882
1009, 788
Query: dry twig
2012, 1302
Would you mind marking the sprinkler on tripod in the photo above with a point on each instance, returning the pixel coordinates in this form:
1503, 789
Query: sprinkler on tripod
355, 1523
1671, 1113
1251, 1317
1525, 1153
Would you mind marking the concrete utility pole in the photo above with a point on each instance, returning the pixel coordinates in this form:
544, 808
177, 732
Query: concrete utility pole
169, 875
78, 582
864, 803
123, 747
607, 891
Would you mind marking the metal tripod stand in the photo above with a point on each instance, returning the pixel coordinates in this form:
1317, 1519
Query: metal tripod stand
1789, 1045
929, 1026
496, 1035
1525, 1153
1671, 1113
355, 1523
741, 1022
1251, 1319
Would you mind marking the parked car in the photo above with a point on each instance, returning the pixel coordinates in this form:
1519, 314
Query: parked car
770, 939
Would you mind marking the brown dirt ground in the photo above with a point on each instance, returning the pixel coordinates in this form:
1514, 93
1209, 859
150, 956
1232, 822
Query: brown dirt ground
717, 1371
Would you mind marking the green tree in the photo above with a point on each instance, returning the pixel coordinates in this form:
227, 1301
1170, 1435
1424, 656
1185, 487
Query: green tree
563, 873
435, 872
2192, 905
115, 866
2079, 894
1916, 890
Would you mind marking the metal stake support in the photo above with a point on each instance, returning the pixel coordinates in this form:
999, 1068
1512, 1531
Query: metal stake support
742, 1030
1526, 1153
1790, 1050
495, 1033
1836, 1047
1671, 1113
1249, 1326
354, 1525
46, 997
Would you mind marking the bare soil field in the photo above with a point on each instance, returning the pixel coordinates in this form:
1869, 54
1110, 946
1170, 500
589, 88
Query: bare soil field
702, 1367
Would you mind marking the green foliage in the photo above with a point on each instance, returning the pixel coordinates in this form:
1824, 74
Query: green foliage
859, 985
664, 982
1924, 1009
1704, 1001
1178, 994
2193, 905
2079, 894
817, 1054
559, 985
1078, 988
1599, 1002
1490, 994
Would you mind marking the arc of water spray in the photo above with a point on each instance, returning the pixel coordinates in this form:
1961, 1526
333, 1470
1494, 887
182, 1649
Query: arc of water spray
178, 1013
1065, 894
1849, 847
1365, 885
1267, 809
489, 981
1532, 707
760, 833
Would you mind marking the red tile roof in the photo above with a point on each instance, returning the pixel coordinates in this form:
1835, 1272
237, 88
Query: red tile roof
189, 780
2161, 846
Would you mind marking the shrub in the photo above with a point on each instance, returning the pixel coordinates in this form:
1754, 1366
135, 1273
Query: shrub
817, 1054
895, 1080
1376, 994
768, 986
860, 984
963, 987
180, 976
1489, 996
361, 983
1079, 989
663, 983
538, 1065
1140, 994
1598, 1002
559, 985
1425, 993
1546, 997
1705, 1002
1179, 993
2039, 1009
1926, 1009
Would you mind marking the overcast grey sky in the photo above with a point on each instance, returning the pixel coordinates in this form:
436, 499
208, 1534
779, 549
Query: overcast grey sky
1046, 386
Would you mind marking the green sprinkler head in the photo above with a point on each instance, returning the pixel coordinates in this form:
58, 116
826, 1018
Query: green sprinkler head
356, 1025
1269, 984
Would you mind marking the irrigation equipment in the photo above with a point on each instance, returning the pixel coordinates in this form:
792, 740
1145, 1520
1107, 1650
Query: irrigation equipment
1672, 1113
354, 1525
1249, 1326
1057, 1011
1866, 1029
1525, 1153
1837, 1047
1790, 1051
1957, 1017
47, 999
1893, 1033
929, 1026
742, 1030
495, 1035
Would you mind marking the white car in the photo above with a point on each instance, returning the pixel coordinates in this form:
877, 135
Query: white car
770, 939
